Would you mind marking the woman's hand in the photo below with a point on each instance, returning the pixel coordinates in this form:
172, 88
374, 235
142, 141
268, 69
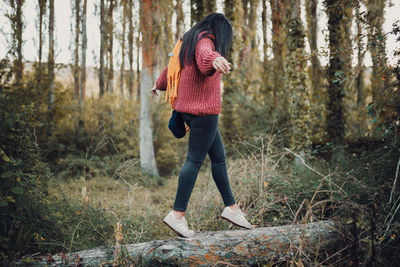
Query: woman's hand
221, 65
154, 91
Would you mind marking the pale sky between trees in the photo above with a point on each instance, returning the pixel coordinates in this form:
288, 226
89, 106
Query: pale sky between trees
64, 37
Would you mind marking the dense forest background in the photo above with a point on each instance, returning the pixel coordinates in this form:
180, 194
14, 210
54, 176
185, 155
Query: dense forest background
305, 141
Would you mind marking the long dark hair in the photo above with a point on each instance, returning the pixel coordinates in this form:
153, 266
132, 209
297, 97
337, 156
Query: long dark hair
215, 24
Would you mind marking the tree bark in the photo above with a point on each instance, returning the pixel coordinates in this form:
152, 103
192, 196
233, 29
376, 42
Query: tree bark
110, 40
76, 50
102, 48
83, 54
264, 22
42, 11
122, 69
381, 96
235, 247
299, 97
278, 40
18, 28
234, 13
130, 48
336, 70
50, 64
179, 19
147, 157
76, 62
312, 27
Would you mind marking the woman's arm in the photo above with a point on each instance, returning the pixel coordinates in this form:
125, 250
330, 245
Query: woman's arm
161, 82
205, 56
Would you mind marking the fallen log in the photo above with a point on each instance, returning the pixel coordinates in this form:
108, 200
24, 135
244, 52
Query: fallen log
218, 248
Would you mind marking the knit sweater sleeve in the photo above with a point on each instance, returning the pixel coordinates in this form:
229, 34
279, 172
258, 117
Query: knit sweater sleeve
161, 82
205, 55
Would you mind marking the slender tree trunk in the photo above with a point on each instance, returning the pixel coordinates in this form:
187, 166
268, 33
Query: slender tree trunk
336, 69
110, 40
83, 52
201, 8
42, 11
102, 46
299, 99
76, 50
122, 69
318, 90
179, 19
278, 46
130, 48
138, 50
210, 6
264, 22
252, 24
234, 13
311, 13
360, 89
349, 100
147, 158
377, 48
50, 64
19, 69
76, 62
166, 11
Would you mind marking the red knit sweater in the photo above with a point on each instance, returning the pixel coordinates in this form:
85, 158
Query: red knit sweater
199, 91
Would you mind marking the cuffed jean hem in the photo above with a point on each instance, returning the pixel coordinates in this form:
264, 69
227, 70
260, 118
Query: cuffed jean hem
229, 204
179, 209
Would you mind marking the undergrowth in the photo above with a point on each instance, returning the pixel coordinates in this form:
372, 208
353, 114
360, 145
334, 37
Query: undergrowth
273, 186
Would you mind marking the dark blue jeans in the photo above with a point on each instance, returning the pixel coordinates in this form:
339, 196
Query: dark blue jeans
204, 138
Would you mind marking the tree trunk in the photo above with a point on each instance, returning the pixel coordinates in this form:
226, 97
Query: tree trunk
299, 99
265, 245
19, 65
318, 90
83, 54
42, 11
130, 48
360, 90
196, 9
76, 51
50, 59
168, 42
312, 27
278, 49
201, 8
336, 70
377, 48
234, 13
110, 40
138, 50
102, 48
179, 19
147, 158
264, 22
122, 69
76, 63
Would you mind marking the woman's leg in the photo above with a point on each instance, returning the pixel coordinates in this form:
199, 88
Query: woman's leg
218, 168
202, 132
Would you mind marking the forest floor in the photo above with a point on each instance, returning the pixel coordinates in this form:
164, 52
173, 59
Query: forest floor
270, 188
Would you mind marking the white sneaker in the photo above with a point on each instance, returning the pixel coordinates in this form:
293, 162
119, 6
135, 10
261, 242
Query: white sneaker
179, 226
236, 217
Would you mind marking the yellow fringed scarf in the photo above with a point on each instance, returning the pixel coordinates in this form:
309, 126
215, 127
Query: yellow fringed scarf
173, 74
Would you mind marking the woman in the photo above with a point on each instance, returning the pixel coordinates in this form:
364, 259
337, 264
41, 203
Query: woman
199, 100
